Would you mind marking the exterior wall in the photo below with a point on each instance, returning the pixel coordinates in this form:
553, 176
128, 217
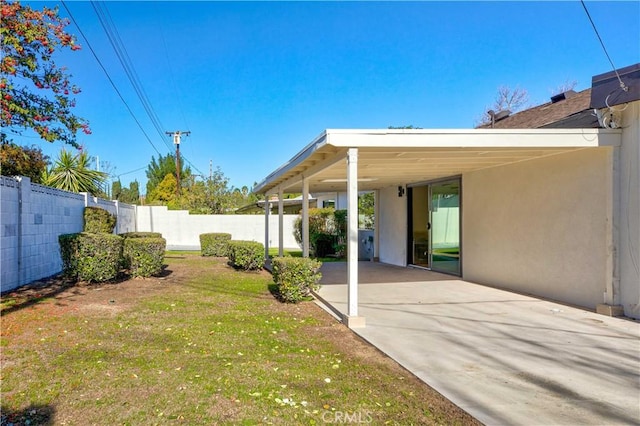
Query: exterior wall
542, 226
629, 211
182, 230
392, 225
33, 216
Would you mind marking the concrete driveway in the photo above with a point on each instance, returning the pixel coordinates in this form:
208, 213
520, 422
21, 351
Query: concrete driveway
505, 358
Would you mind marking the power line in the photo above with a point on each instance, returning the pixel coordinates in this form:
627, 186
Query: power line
125, 60
109, 77
622, 85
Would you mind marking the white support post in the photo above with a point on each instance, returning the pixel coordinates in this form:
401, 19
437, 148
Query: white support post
376, 225
305, 217
352, 320
266, 226
280, 223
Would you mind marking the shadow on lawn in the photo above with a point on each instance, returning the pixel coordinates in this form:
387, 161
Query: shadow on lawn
35, 292
32, 415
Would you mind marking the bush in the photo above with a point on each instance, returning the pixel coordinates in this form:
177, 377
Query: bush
91, 256
323, 244
141, 235
246, 255
320, 223
296, 277
97, 220
215, 244
144, 257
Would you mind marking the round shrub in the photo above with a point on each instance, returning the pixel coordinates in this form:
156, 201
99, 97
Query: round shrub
295, 277
91, 256
246, 255
98, 220
144, 257
214, 244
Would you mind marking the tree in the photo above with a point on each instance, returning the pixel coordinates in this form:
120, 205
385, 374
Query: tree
156, 171
366, 209
129, 195
165, 191
23, 161
513, 100
72, 173
35, 93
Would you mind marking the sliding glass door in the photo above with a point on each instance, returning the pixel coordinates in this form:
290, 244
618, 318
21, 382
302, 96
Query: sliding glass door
434, 226
445, 226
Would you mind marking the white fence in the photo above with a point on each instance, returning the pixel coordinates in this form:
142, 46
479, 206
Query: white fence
33, 216
182, 230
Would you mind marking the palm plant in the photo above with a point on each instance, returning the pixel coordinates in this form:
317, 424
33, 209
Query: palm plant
72, 173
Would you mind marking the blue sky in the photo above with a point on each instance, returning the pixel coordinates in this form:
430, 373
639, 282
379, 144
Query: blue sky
254, 82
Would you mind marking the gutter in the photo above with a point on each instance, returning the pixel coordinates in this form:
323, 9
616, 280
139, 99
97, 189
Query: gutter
305, 153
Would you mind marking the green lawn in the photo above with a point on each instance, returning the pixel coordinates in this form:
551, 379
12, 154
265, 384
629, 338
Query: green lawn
204, 344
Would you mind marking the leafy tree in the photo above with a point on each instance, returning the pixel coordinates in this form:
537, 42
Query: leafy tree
165, 192
366, 209
116, 190
129, 195
23, 161
157, 170
72, 173
35, 93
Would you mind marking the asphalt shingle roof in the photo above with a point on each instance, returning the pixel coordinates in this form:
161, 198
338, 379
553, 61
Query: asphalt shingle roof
552, 114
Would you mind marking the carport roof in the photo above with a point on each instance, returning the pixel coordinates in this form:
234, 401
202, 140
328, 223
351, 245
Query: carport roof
391, 157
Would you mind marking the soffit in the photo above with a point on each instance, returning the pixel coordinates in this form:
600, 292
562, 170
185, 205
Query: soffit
399, 158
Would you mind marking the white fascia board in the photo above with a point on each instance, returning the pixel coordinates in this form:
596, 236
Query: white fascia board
474, 138
313, 146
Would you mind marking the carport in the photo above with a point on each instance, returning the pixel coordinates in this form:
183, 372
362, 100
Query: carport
505, 358
386, 159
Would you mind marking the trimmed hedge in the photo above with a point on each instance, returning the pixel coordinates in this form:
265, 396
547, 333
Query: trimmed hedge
144, 257
295, 277
246, 255
141, 235
97, 220
91, 256
214, 244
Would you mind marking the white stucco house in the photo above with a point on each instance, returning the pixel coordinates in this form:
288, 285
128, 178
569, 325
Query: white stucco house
545, 201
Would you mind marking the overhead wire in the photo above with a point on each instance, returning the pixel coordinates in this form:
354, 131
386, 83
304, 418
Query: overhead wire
622, 85
109, 77
125, 60
123, 56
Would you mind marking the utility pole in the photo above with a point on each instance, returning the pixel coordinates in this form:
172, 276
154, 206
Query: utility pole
176, 141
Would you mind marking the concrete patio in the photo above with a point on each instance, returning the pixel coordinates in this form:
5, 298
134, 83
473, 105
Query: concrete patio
505, 358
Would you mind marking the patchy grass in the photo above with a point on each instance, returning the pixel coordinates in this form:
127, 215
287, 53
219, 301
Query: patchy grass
204, 344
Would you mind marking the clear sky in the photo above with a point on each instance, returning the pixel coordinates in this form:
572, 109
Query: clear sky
255, 82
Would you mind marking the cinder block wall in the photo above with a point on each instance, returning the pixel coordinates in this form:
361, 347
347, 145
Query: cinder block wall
32, 218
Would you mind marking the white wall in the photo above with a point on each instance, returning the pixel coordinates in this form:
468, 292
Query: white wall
629, 211
541, 227
392, 227
182, 230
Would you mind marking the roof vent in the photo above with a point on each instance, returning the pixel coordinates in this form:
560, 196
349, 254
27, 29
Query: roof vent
562, 96
497, 116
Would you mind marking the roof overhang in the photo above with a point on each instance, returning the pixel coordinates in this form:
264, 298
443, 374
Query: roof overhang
390, 157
